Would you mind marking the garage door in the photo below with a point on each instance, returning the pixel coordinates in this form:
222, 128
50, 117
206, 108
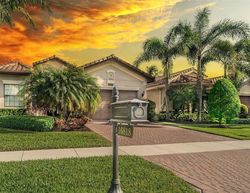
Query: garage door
104, 110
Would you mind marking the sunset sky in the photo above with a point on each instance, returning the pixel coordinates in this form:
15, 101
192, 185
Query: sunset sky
84, 30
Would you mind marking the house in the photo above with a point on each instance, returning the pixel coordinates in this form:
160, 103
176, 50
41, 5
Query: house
12, 75
245, 94
156, 89
109, 71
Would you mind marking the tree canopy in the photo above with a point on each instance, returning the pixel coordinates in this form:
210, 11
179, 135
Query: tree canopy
223, 101
68, 92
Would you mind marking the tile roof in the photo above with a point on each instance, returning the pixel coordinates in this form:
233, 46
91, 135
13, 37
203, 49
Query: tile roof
14, 68
54, 57
126, 64
161, 79
182, 76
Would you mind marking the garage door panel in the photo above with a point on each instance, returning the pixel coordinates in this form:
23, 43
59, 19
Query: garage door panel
104, 110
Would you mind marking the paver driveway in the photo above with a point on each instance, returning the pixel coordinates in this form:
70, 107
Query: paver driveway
149, 134
213, 172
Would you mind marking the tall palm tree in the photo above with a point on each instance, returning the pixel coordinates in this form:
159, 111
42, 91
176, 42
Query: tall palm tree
234, 58
165, 51
199, 39
69, 92
9, 7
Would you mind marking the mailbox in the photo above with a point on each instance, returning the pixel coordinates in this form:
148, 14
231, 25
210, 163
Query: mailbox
133, 111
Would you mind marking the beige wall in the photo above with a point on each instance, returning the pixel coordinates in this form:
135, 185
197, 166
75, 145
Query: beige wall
55, 64
157, 95
245, 89
9, 79
125, 79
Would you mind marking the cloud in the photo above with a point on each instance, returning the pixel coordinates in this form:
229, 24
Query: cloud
81, 24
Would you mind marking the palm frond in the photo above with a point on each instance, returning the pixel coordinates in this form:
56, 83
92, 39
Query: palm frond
202, 21
9, 7
227, 28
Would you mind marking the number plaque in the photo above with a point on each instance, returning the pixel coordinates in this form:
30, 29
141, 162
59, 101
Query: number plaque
125, 130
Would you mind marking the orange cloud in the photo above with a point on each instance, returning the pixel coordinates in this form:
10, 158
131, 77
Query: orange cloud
80, 24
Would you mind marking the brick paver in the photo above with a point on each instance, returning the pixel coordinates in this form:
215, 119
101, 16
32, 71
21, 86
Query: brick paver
213, 172
156, 134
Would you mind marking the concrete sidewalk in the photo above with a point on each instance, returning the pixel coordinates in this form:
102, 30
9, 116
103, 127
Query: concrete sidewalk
139, 150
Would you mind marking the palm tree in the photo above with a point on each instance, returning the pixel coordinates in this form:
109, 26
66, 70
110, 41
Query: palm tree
153, 70
9, 7
234, 58
69, 92
199, 39
225, 53
165, 51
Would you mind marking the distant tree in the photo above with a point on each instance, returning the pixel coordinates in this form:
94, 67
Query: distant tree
67, 92
9, 7
182, 96
153, 70
223, 101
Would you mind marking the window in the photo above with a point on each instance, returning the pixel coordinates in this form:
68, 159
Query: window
110, 77
11, 97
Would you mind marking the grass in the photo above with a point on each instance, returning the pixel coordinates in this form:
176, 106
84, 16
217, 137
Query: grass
12, 140
237, 131
88, 175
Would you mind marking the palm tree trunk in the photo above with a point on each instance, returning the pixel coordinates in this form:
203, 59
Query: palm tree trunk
225, 71
166, 85
199, 88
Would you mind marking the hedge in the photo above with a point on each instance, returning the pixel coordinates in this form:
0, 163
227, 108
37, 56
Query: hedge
5, 112
32, 123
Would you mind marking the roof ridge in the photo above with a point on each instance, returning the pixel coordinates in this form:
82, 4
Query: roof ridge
51, 58
44, 59
112, 56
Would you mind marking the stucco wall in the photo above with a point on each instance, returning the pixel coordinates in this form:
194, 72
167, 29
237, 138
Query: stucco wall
8, 79
156, 95
125, 79
245, 89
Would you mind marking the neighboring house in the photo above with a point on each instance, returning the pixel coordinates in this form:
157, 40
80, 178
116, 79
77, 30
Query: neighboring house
12, 76
111, 71
156, 89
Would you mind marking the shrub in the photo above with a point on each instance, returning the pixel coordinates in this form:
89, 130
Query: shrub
223, 101
5, 112
240, 121
243, 111
187, 117
151, 111
162, 116
32, 123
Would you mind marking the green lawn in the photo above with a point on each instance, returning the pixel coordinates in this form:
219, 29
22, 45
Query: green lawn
11, 140
237, 131
88, 175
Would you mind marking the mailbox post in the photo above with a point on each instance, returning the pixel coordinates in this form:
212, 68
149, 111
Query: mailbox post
115, 184
124, 115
